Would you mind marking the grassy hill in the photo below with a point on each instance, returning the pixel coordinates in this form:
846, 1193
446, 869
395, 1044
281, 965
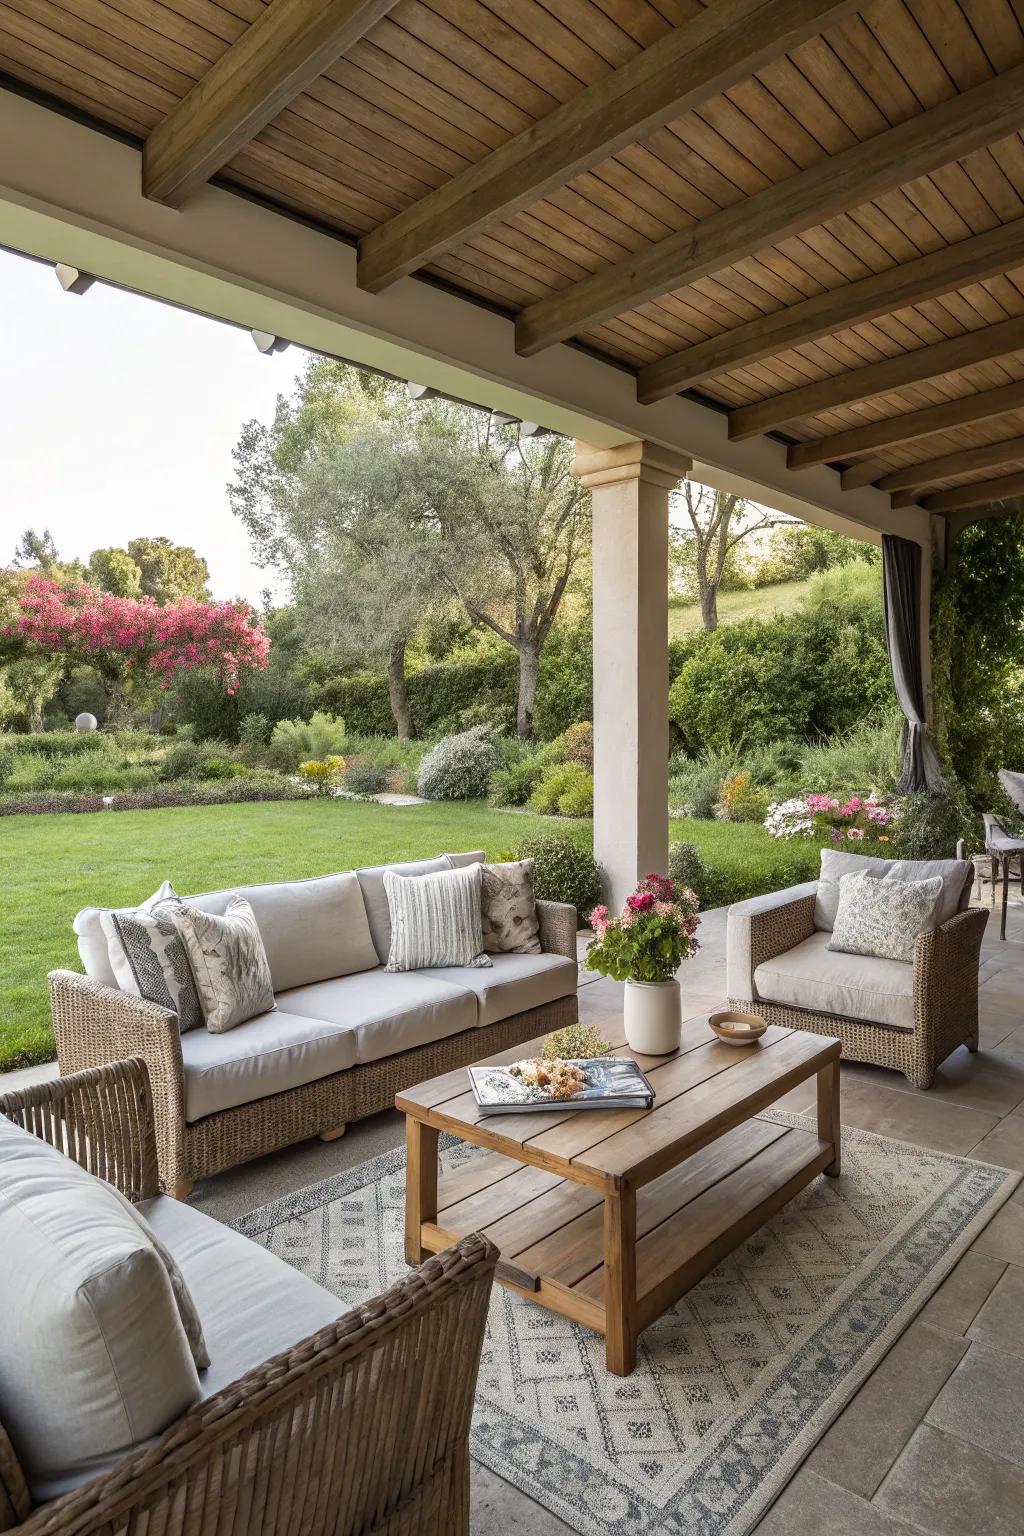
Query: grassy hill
759, 604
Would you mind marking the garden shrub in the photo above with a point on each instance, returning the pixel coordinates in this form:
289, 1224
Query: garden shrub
60, 743
515, 784
741, 800
930, 824
184, 761
564, 870
564, 789
295, 741
365, 777
215, 768
695, 783
866, 757
6, 765
565, 685
578, 743
459, 767
253, 735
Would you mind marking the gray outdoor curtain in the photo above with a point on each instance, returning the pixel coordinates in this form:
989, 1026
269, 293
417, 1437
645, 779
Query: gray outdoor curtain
901, 586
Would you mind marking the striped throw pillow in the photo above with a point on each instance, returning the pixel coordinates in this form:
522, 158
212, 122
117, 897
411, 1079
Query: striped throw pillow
435, 919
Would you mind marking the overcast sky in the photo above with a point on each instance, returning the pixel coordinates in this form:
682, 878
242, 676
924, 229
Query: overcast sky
117, 418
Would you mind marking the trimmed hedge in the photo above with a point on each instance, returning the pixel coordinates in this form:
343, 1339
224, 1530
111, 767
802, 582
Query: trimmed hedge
437, 695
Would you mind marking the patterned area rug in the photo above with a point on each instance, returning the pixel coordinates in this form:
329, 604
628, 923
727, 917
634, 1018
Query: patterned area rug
733, 1387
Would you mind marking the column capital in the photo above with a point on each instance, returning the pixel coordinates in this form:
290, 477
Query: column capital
639, 460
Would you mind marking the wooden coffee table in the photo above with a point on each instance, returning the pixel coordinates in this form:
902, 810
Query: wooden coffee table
609, 1216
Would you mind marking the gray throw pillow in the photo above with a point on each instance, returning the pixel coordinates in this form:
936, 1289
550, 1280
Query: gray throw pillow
229, 963
883, 917
435, 919
187, 1311
509, 909
147, 956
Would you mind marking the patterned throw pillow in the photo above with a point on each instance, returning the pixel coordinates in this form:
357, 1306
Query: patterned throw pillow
883, 917
229, 963
148, 957
435, 919
509, 909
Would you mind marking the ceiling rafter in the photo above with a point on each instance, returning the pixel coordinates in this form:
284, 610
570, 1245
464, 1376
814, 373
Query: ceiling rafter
980, 494
952, 266
854, 176
963, 462
879, 378
698, 60
892, 430
284, 50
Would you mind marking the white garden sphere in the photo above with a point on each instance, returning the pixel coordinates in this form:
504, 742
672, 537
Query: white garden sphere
85, 722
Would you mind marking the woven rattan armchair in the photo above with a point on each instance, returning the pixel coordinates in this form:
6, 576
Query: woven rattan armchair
945, 985
360, 1430
94, 1024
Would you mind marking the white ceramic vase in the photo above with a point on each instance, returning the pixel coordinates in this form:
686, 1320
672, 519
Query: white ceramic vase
653, 1017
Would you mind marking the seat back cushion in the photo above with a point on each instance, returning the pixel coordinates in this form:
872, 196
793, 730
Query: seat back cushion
95, 1358
375, 898
312, 930
957, 877
435, 919
148, 957
93, 940
460, 860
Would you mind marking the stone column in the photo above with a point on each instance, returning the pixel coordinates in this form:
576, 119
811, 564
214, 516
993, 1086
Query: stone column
630, 485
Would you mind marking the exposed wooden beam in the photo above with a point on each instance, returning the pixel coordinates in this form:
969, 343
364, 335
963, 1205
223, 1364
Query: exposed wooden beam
838, 446
284, 50
727, 42
862, 472
878, 378
961, 463
933, 138
968, 261
976, 495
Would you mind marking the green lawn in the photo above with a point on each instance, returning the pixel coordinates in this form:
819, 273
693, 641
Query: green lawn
732, 606
51, 866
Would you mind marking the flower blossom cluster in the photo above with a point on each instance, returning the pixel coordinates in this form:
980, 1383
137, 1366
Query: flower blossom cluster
658, 913
854, 819
81, 622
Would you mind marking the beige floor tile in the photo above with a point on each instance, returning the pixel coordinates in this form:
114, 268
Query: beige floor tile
981, 1402
949, 1487
1000, 1323
1003, 1238
810, 1506
867, 1437
917, 1117
963, 1293
1004, 1144
498, 1509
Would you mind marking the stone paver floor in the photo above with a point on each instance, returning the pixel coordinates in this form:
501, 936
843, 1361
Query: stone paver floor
933, 1443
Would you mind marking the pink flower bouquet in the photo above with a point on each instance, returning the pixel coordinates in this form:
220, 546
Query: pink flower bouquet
655, 932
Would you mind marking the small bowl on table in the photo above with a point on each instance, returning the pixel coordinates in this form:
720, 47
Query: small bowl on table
735, 1028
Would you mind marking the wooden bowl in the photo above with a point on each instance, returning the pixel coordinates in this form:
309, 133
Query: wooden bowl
735, 1028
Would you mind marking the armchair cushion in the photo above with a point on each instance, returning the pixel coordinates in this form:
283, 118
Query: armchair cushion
744, 915
514, 983
957, 878
94, 1358
821, 980
265, 1055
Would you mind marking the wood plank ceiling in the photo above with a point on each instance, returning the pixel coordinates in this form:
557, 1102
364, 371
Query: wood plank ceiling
809, 213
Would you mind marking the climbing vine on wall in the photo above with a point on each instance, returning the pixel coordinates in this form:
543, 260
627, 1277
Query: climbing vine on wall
978, 656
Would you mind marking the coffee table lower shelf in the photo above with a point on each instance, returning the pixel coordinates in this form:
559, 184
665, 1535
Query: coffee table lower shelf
554, 1235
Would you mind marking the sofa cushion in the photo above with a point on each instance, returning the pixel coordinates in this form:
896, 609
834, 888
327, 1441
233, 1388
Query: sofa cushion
509, 904
883, 917
513, 984
311, 929
855, 986
148, 957
92, 933
375, 898
462, 860
94, 1356
435, 919
266, 1055
386, 1011
229, 963
957, 879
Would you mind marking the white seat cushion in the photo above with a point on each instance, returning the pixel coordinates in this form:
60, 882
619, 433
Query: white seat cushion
94, 1358
251, 1303
957, 877
855, 986
268, 1054
386, 1012
514, 983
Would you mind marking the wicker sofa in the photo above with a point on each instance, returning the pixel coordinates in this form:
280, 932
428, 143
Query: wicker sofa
344, 1038
909, 1017
339, 1422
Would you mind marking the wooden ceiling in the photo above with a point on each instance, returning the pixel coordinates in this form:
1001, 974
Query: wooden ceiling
808, 213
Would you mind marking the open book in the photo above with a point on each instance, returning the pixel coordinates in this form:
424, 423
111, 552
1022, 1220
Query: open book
607, 1082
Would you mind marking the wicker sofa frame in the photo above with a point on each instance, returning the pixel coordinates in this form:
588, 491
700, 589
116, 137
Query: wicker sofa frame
94, 1024
360, 1430
946, 963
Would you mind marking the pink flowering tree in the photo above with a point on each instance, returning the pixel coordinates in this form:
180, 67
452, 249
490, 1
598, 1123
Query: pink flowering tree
132, 641
655, 932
